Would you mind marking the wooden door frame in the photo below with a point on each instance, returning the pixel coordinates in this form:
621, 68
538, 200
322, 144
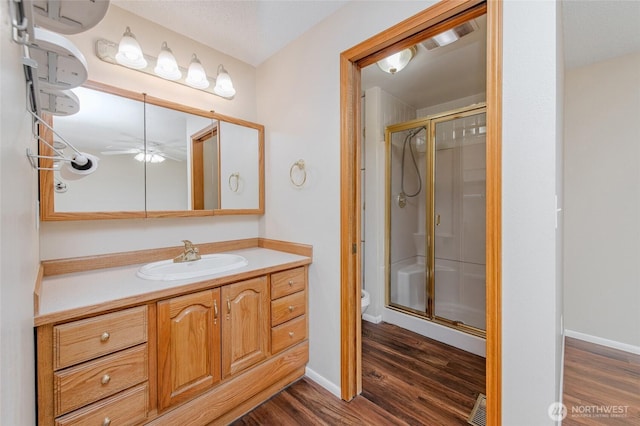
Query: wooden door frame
440, 16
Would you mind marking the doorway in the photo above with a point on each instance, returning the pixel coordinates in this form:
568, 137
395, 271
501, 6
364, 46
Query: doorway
442, 16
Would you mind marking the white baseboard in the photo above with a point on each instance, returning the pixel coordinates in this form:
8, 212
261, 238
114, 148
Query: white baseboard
322, 381
602, 341
376, 319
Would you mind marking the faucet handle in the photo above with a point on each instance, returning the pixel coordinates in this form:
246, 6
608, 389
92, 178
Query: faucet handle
187, 244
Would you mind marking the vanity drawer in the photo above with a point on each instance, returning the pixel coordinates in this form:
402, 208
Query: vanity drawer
90, 338
126, 408
289, 333
78, 386
288, 307
287, 282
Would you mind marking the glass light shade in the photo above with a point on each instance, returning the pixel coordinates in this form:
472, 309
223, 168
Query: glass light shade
166, 65
396, 62
224, 85
196, 76
129, 52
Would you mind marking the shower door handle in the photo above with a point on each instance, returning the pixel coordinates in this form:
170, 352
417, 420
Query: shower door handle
437, 220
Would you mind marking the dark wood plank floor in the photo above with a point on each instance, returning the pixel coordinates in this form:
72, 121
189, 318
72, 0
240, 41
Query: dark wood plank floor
597, 381
406, 379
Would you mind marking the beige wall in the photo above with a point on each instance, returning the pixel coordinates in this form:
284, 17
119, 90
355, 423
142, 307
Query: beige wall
602, 208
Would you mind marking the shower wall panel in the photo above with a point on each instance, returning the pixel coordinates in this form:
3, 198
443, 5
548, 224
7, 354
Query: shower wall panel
381, 110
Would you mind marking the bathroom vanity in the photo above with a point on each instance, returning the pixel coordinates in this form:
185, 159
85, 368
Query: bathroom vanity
113, 348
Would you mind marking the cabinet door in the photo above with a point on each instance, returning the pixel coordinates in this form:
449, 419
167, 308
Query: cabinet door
188, 346
245, 328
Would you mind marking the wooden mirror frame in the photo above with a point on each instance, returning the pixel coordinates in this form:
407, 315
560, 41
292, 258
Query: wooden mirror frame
47, 204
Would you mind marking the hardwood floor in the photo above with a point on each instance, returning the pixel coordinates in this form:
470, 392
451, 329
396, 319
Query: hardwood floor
601, 385
406, 379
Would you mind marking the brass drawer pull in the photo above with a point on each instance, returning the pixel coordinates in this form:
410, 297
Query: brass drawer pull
291, 334
291, 308
215, 309
105, 379
290, 283
105, 336
106, 421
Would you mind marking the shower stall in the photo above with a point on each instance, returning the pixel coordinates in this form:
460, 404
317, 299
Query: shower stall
435, 234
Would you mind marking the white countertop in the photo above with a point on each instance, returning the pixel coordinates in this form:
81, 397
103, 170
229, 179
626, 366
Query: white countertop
78, 290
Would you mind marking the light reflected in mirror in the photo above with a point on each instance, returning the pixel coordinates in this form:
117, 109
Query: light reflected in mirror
156, 159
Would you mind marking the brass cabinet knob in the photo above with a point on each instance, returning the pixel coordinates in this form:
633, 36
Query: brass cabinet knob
105, 379
290, 283
105, 336
291, 334
291, 308
106, 421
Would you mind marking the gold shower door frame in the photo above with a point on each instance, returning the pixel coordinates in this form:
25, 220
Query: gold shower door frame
429, 122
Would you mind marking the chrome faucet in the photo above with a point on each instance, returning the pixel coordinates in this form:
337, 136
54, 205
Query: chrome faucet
190, 253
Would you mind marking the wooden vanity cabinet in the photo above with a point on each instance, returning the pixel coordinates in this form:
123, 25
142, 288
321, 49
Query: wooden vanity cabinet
88, 367
188, 346
245, 328
288, 308
204, 357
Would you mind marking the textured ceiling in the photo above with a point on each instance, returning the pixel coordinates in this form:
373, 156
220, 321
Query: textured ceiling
251, 31
595, 30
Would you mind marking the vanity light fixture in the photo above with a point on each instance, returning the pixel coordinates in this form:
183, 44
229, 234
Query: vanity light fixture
129, 52
224, 85
396, 62
196, 76
166, 65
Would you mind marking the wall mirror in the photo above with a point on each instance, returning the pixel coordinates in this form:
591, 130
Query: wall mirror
156, 159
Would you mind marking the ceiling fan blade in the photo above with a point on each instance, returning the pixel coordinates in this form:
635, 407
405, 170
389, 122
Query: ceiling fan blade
120, 152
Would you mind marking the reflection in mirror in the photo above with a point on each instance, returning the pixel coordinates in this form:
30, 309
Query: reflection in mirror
156, 159
204, 170
169, 134
239, 167
118, 183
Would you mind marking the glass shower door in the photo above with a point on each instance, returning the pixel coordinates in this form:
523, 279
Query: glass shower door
407, 189
459, 219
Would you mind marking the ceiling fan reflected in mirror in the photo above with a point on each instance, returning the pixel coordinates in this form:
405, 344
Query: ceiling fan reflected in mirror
155, 152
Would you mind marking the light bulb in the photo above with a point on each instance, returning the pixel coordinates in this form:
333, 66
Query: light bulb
166, 66
224, 85
129, 52
396, 62
196, 76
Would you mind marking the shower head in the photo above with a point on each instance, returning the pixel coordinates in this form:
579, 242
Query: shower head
416, 131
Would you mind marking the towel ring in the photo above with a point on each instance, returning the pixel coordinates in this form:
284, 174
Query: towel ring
300, 166
234, 178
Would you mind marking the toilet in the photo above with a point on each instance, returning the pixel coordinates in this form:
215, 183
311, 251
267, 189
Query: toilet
364, 301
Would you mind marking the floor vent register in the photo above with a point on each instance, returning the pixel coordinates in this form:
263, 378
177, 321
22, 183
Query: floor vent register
478, 416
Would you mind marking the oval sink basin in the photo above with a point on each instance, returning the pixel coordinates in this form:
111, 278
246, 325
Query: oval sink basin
167, 270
